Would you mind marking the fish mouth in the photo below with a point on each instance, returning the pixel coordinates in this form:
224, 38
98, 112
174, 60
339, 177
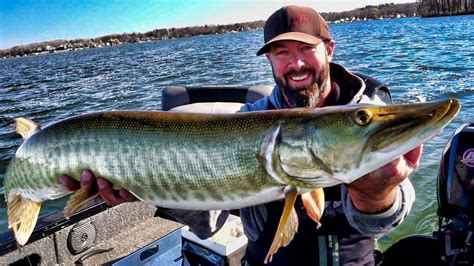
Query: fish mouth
400, 123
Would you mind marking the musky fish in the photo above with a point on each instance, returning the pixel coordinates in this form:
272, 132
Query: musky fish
214, 161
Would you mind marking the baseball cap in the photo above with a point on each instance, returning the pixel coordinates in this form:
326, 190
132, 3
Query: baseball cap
294, 23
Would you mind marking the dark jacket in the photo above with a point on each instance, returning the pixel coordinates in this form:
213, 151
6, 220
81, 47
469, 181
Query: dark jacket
347, 236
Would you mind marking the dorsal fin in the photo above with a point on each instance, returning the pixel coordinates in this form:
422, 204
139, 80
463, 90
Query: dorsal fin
26, 127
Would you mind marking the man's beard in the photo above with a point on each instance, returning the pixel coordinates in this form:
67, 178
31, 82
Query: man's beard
306, 96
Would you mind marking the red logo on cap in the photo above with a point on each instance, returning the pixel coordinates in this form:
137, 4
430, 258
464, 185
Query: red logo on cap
302, 18
468, 158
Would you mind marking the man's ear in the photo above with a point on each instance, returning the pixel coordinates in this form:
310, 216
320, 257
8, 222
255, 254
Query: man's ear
268, 57
330, 46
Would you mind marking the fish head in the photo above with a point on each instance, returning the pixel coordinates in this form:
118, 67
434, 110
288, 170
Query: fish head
351, 141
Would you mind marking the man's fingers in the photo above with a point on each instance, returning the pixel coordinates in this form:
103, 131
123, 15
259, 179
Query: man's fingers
126, 195
413, 157
404, 165
87, 177
108, 193
69, 183
409, 162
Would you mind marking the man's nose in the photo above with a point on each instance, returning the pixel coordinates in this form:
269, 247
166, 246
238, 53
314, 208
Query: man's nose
296, 61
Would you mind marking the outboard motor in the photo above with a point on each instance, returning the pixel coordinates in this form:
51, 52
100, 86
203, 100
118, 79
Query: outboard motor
456, 199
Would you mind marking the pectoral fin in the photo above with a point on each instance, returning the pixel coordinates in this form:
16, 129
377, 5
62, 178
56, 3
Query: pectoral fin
287, 226
80, 198
313, 202
22, 216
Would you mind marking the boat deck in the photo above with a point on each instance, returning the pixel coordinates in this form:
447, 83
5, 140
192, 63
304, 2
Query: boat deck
119, 231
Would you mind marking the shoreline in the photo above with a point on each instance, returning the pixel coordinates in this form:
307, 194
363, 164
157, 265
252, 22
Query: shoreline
370, 12
45, 48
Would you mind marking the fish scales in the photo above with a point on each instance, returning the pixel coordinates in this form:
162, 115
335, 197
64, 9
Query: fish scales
117, 148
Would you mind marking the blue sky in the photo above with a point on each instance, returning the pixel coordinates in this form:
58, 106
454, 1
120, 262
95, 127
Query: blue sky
28, 21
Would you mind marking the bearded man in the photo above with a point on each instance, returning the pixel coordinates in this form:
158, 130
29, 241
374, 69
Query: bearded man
299, 48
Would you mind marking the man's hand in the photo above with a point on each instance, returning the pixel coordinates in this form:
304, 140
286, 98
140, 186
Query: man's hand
112, 197
376, 191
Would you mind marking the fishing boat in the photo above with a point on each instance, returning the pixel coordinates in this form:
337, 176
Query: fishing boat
139, 233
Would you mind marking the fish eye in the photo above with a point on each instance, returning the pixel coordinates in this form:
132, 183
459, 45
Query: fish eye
362, 117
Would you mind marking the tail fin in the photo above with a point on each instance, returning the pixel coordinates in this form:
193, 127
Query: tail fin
22, 216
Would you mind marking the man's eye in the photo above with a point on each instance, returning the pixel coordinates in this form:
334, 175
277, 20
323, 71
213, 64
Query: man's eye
281, 52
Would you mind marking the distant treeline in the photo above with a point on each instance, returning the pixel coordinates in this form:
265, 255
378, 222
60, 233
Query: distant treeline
116, 39
420, 8
429, 8
374, 12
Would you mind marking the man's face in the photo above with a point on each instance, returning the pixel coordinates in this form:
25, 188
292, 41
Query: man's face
302, 71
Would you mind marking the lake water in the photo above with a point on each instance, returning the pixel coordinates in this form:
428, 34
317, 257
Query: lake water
419, 59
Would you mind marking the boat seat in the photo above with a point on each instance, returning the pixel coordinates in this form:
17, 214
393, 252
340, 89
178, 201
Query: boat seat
211, 99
